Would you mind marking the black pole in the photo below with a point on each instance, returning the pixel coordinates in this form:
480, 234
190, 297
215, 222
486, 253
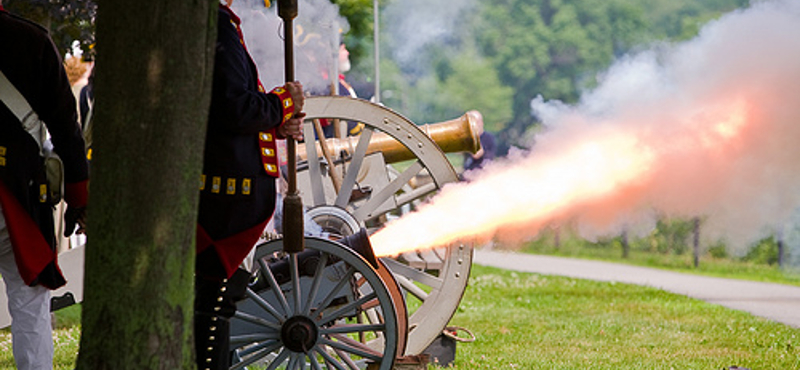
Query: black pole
293, 241
626, 248
779, 241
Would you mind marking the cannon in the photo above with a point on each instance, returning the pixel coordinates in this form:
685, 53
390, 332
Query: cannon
388, 308
335, 305
407, 165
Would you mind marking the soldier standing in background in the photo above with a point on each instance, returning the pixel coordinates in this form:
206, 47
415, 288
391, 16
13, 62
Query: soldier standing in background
33, 69
345, 89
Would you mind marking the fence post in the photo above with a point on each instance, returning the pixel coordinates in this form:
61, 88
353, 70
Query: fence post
696, 242
779, 240
626, 248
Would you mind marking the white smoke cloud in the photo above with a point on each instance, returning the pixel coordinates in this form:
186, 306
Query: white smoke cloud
705, 128
416, 24
674, 91
317, 32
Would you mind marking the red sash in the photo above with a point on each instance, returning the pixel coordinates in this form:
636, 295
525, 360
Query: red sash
32, 253
233, 249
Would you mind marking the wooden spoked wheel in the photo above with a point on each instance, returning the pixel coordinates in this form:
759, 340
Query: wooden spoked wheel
309, 310
378, 188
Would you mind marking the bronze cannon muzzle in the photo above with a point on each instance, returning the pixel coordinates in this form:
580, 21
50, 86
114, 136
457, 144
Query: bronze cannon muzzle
458, 135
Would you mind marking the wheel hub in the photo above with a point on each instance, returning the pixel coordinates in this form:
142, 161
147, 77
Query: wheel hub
299, 334
334, 220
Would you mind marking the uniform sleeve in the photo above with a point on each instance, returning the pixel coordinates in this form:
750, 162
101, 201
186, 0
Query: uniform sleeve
236, 99
58, 111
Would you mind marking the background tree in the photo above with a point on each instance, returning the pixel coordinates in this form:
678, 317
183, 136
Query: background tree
153, 82
680, 20
556, 48
470, 75
451, 90
552, 48
359, 16
67, 20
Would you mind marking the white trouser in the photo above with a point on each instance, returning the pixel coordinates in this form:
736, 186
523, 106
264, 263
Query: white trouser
31, 330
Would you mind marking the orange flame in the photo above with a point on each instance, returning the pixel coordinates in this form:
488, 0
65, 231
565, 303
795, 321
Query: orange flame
542, 187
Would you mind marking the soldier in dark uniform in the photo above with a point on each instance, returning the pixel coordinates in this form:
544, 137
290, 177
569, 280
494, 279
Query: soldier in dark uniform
345, 89
32, 65
238, 185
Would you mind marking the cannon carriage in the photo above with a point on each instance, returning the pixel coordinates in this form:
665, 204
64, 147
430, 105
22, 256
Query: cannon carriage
353, 186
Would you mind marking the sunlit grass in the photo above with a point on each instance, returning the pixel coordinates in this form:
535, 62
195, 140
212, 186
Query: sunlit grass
66, 339
530, 321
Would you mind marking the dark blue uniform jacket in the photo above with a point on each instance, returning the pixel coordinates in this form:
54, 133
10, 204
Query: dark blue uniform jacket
238, 194
32, 64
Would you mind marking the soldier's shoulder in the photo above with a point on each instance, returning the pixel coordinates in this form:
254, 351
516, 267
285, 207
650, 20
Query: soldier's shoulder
27, 23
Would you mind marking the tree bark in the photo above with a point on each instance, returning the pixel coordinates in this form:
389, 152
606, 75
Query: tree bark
152, 89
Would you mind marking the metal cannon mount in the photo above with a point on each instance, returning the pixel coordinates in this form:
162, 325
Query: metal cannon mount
329, 307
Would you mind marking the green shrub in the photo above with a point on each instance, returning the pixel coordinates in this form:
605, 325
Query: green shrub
765, 251
718, 250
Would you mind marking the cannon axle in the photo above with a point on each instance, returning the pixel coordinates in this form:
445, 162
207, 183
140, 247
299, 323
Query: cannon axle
299, 334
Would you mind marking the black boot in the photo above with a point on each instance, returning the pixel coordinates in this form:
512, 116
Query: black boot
215, 304
212, 341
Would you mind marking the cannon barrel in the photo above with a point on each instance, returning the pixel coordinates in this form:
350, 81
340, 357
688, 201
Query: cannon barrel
458, 135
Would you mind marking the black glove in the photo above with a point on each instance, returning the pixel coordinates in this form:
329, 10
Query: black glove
74, 216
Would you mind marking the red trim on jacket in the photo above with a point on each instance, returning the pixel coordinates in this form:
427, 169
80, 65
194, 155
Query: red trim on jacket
230, 12
32, 253
233, 249
287, 104
267, 139
269, 152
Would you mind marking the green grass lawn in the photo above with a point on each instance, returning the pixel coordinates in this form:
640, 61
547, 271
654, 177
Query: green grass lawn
531, 321
66, 337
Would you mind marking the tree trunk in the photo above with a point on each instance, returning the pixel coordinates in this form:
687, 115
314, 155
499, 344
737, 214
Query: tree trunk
153, 87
